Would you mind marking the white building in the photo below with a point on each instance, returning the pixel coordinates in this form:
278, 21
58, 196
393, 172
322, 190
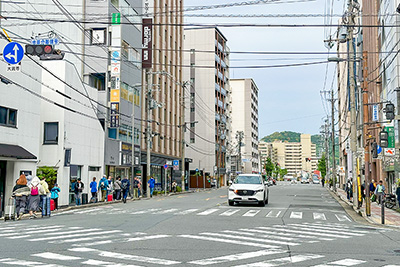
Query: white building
245, 119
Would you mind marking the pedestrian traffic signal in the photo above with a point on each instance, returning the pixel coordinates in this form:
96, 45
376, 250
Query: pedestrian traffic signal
383, 139
374, 146
38, 50
389, 110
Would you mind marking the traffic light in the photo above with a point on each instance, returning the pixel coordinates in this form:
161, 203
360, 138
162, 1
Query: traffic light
374, 150
38, 50
56, 55
383, 139
389, 110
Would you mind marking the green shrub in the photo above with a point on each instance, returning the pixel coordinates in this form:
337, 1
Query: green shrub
49, 173
178, 188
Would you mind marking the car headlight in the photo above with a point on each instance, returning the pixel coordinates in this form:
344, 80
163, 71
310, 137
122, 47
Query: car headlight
259, 190
230, 189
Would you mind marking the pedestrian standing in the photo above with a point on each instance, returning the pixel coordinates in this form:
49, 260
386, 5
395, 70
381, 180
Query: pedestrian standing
103, 184
151, 183
380, 191
43, 193
349, 189
323, 182
78, 192
398, 193
125, 184
136, 188
117, 188
139, 186
372, 187
93, 188
110, 186
34, 199
174, 185
21, 192
54, 195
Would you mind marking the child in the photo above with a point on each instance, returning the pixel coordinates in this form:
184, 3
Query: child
54, 195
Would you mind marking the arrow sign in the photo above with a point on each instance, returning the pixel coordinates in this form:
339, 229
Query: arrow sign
13, 53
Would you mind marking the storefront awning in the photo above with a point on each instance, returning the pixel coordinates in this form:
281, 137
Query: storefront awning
13, 151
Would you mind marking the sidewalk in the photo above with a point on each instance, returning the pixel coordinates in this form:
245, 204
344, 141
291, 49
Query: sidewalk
392, 217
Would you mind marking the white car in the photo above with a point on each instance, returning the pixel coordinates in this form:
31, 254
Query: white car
248, 188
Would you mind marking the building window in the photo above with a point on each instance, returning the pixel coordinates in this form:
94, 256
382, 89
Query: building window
192, 140
98, 36
50, 133
192, 124
8, 117
98, 81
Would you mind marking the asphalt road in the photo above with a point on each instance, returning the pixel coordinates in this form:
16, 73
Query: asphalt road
303, 225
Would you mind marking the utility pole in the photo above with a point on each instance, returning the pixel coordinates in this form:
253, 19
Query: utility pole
239, 136
333, 142
149, 75
183, 137
353, 126
326, 137
366, 139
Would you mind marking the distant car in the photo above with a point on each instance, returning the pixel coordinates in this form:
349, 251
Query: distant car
248, 188
315, 181
293, 181
304, 180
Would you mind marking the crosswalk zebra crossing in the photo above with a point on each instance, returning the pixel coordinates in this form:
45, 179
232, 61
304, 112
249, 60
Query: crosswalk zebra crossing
270, 246
223, 212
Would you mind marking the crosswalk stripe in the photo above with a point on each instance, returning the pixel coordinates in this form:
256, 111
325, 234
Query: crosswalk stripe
9, 261
165, 211
82, 239
342, 218
258, 235
274, 213
236, 257
296, 215
62, 236
44, 228
391, 266
282, 261
87, 211
52, 256
186, 211
105, 263
325, 229
122, 240
18, 236
319, 216
228, 213
308, 232
251, 213
336, 227
289, 233
207, 212
74, 232
144, 211
341, 263
240, 243
253, 239
122, 256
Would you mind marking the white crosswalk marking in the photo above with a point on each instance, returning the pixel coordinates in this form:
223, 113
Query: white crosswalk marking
338, 228
296, 215
274, 213
207, 212
282, 261
224, 240
82, 239
144, 211
309, 232
186, 211
245, 232
236, 257
342, 218
253, 239
122, 256
10, 261
132, 239
289, 233
52, 256
391, 266
326, 230
251, 213
228, 213
341, 263
165, 211
319, 216
62, 236
105, 263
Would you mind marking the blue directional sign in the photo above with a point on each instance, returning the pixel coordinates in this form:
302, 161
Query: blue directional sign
379, 149
13, 53
176, 163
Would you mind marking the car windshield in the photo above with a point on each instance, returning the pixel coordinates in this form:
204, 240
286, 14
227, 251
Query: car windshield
248, 180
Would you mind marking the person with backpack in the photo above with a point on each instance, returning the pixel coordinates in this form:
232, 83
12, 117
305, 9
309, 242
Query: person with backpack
78, 191
93, 190
21, 192
34, 199
151, 185
125, 184
117, 188
103, 184
54, 195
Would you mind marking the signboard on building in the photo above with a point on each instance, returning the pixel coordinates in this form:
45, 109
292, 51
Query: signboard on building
390, 152
114, 121
176, 165
148, 8
391, 140
375, 113
147, 43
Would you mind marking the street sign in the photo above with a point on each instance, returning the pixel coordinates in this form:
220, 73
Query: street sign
379, 149
176, 164
391, 140
390, 152
13, 53
165, 166
375, 113
51, 41
169, 162
14, 68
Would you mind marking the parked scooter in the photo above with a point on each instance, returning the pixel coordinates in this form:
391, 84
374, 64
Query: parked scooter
390, 201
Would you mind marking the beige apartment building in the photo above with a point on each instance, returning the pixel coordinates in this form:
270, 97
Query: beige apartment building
296, 157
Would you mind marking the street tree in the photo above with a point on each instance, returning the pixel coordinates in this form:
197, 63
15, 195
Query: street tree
322, 165
269, 167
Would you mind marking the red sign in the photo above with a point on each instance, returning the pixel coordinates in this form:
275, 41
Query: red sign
147, 43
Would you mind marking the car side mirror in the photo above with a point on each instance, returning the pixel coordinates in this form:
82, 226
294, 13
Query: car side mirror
230, 182
265, 183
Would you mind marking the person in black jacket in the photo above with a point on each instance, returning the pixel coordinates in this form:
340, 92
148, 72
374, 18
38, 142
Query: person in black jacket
21, 192
78, 192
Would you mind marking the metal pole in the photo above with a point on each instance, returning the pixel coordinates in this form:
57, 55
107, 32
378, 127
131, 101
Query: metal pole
333, 143
165, 182
204, 179
382, 201
183, 139
148, 132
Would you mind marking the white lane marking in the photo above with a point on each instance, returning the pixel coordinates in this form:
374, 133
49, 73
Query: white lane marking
18, 236
391, 266
296, 215
53, 256
74, 232
325, 230
121, 256
27, 263
105, 263
52, 227
342, 218
283, 261
251, 213
228, 213
339, 228
228, 241
236, 257
122, 240
309, 233
165, 211
252, 239
274, 213
144, 211
184, 212
207, 212
285, 233
82, 239
87, 211
62, 236
258, 235
319, 216
341, 263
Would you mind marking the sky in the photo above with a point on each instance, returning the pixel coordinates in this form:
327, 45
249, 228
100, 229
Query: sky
289, 97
